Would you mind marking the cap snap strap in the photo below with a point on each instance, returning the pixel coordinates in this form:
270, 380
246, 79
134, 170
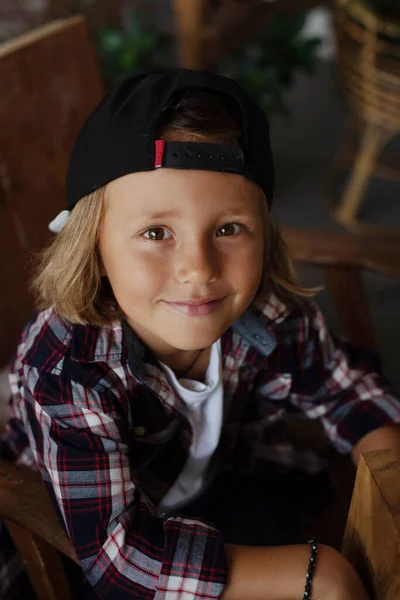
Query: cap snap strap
199, 156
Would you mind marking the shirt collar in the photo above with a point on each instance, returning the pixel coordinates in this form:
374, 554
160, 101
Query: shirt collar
96, 344
137, 352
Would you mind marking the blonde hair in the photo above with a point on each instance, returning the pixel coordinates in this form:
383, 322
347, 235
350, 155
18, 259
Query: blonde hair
70, 274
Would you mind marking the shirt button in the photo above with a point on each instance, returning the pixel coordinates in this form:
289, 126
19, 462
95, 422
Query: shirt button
139, 431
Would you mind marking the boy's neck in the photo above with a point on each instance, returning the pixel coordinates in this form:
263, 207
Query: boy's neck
189, 364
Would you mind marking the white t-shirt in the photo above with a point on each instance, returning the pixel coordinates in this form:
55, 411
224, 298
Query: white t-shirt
204, 402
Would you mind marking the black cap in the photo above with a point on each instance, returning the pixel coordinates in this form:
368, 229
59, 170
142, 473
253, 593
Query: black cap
119, 137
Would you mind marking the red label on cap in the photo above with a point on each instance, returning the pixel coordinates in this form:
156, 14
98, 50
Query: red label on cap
159, 154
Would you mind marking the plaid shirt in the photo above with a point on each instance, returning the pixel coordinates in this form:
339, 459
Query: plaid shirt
92, 409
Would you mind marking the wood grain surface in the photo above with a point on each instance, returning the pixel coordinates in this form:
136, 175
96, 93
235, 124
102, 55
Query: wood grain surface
49, 83
372, 536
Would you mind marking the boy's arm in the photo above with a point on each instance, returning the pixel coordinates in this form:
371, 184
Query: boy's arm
342, 386
384, 438
126, 548
278, 573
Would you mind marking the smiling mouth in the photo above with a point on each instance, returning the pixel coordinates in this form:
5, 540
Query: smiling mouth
196, 308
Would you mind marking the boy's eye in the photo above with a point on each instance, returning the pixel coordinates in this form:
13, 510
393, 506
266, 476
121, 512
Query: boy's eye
229, 229
157, 234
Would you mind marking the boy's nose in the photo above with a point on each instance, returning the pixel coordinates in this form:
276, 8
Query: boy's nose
196, 263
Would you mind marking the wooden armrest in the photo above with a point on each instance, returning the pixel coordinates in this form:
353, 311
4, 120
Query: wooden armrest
25, 502
343, 250
372, 536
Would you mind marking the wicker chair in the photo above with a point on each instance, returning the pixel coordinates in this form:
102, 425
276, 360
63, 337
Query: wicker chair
368, 62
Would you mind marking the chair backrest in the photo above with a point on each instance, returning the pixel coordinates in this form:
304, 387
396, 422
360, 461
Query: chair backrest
49, 83
372, 536
36, 530
344, 257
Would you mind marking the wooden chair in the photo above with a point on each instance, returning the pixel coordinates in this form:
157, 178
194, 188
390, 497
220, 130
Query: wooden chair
206, 30
372, 536
36, 530
371, 540
49, 83
344, 258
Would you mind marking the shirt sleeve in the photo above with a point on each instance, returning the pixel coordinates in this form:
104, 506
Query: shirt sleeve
340, 384
126, 548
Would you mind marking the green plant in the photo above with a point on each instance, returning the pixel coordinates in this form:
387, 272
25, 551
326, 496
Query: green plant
267, 66
132, 49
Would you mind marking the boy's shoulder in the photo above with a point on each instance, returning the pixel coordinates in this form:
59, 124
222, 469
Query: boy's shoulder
48, 339
276, 314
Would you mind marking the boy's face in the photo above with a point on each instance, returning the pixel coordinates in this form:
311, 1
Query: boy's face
183, 251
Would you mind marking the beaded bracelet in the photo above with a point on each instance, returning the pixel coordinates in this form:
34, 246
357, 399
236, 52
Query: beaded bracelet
311, 566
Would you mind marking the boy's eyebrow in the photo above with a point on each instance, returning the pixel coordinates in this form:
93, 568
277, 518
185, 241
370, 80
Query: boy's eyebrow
173, 213
238, 212
159, 214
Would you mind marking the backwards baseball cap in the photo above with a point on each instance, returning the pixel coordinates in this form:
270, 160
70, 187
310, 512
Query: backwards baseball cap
119, 136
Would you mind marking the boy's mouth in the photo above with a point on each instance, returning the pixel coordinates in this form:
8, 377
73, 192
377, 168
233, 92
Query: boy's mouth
197, 308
